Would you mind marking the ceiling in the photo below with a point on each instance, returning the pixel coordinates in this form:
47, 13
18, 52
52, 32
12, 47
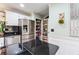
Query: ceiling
41, 9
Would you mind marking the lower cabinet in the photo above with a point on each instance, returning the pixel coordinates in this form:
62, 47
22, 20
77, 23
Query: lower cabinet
16, 39
1, 42
2, 48
25, 38
8, 41
12, 40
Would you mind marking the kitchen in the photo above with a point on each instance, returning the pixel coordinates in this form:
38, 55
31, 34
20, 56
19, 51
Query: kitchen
10, 29
24, 34
26, 29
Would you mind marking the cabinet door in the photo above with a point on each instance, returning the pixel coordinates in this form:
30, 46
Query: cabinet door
8, 41
11, 18
25, 38
16, 39
1, 42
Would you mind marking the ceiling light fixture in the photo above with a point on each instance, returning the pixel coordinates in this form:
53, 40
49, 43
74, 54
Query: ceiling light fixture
21, 5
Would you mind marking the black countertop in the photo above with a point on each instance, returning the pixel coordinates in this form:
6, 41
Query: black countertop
11, 34
30, 48
40, 49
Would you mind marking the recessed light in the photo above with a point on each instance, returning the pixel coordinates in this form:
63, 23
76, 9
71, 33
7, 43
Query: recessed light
21, 5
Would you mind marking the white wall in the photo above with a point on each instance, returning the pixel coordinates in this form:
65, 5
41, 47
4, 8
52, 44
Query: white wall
54, 11
61, 35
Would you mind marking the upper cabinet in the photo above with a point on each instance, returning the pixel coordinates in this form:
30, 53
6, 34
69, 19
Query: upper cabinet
11, 18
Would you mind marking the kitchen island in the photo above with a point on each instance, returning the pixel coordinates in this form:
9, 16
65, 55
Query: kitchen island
30, 48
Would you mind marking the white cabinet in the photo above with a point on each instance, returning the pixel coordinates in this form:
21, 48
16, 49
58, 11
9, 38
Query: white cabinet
21, 16
25, 38
12, 40
8, 41
11, 18
16, 39
26, 22
1, 42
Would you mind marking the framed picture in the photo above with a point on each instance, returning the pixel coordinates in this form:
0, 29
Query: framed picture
61, 18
